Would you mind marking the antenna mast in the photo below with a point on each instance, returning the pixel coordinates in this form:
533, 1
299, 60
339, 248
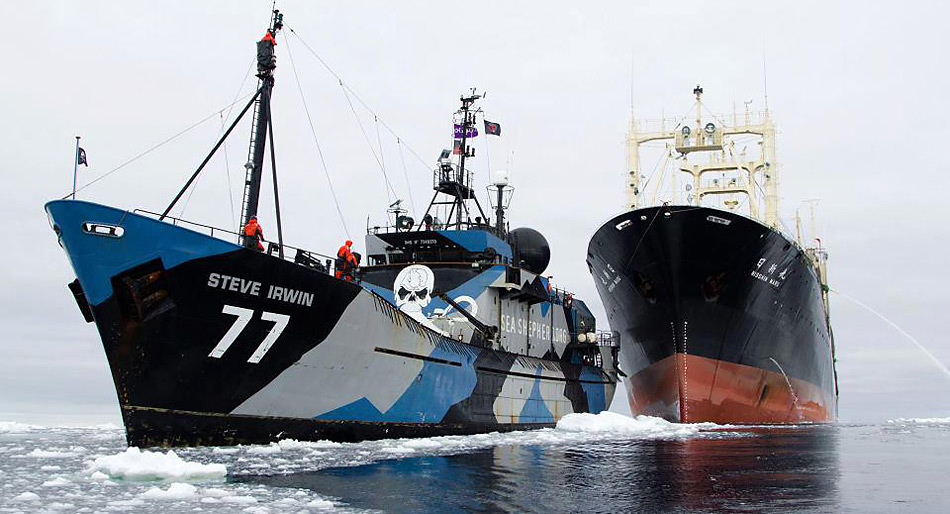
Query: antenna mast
468, 123
454, 180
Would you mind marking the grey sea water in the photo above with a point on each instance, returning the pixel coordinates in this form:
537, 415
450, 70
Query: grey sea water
602, 465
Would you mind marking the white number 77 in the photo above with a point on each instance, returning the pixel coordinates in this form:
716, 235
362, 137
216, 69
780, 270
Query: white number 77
243, 318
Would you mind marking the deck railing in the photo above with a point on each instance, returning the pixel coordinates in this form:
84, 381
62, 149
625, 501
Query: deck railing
307, 258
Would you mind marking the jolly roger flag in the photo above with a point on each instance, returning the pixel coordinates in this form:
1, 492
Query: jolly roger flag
492, 128
81, 158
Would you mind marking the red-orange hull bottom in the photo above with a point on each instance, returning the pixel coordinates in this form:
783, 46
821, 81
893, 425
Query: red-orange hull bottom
692, 389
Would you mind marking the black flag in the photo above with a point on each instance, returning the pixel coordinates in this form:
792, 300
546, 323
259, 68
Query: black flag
492, 128
81, 159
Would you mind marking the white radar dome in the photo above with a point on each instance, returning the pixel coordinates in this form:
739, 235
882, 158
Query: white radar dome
500, 178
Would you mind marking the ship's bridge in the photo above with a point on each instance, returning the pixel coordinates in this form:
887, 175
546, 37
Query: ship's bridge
386, 247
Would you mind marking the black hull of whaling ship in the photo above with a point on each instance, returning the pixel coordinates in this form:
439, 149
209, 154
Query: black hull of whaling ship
721, 318
211, 343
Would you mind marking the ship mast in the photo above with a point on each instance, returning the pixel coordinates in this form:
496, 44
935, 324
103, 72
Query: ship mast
262, 128
266, 63
454, 180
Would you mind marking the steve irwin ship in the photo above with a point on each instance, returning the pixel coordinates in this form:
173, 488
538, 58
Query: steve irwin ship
448, 328
722, 316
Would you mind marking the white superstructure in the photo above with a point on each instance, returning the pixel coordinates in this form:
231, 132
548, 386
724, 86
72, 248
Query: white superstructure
715, 155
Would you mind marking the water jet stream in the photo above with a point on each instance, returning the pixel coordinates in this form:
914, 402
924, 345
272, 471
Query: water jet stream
932, 357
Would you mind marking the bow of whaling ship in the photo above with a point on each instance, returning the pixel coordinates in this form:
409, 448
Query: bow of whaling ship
723, 317
449, 328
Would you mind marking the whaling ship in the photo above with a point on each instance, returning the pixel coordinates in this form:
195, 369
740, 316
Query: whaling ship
722, 317
449, 328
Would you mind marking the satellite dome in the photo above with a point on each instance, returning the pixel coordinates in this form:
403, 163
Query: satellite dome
500, 178
532, 249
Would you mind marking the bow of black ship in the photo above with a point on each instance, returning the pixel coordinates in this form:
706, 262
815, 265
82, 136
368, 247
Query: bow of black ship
720, 317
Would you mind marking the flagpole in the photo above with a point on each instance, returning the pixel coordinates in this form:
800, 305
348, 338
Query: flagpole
75, 166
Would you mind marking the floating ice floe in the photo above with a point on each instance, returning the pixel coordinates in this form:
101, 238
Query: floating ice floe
14, 427
26, 496
57, 482
618, 424
135, 464
293, 444
48, 454
935, 421
176, 491
264, 450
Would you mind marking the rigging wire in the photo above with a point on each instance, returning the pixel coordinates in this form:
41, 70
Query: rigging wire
644, 235
659, 185
662, 158
368, 143
227, 165
227, 173
224, 146
316, 141
181, 212
355, 95
382, 157
159, 145
405, 173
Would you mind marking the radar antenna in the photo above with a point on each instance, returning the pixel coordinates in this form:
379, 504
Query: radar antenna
453, 179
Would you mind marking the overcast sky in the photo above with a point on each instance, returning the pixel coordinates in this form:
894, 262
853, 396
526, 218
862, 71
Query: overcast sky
857, 89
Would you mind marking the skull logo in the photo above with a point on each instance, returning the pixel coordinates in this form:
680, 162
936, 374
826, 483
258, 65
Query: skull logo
413, 289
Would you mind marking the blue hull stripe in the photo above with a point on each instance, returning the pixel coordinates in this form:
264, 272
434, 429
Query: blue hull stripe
535, 410
96, 259
436, 388
596, 393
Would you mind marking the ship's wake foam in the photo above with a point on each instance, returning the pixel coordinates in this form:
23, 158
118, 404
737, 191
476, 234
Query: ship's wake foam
291, 456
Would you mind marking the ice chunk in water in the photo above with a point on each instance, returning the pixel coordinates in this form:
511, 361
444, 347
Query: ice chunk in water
613, 423
176, 491
135, 464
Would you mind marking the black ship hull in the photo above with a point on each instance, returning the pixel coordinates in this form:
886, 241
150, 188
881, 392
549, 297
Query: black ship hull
211, 343
721, 318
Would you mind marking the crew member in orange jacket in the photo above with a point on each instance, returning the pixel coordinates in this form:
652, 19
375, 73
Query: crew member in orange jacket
253, 235
346, 262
